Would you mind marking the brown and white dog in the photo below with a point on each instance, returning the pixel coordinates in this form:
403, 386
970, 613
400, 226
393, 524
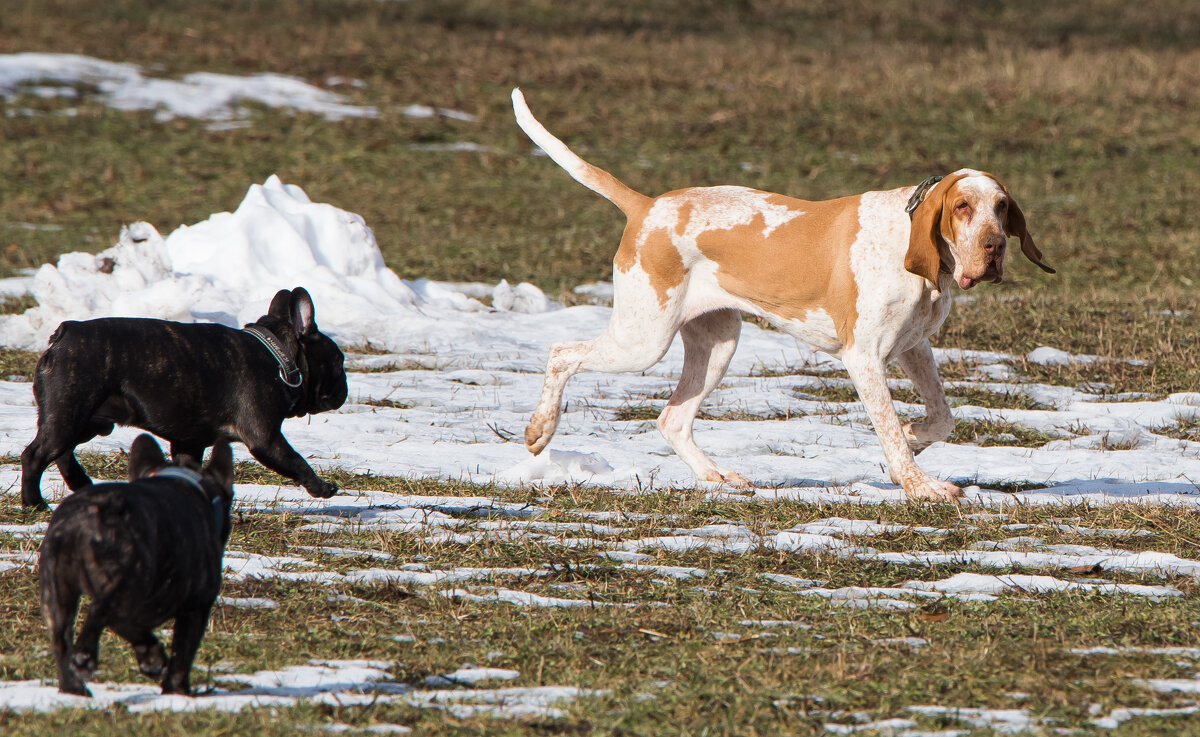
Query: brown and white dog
853, 277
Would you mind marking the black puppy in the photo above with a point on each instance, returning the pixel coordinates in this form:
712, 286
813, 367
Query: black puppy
191, 384
144, 552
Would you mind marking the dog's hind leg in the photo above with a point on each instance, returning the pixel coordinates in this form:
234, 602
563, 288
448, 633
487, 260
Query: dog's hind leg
708, 344
73, 474
44, 449
60, 606
192, 453
189, 629
639, 333
150, 654
85, 657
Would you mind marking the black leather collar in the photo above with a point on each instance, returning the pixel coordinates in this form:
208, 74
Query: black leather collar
289, 372
194, 480
919, 195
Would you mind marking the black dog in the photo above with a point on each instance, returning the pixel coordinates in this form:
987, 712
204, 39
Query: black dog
144, 552
191, 384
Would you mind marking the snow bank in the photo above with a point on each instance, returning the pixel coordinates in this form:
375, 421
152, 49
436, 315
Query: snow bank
226, 269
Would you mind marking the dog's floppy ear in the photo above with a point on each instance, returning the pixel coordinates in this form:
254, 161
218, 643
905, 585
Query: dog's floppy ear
923, 257
303, 313
281, 305
1014, 225
145, 457
220, 467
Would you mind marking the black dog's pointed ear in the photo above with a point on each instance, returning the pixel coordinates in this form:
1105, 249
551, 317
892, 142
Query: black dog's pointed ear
303, 313
220, 467
281, 305
145, 457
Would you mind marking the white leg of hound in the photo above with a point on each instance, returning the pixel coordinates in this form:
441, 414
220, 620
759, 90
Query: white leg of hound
636, 338
870, 379
708, 343
918, 362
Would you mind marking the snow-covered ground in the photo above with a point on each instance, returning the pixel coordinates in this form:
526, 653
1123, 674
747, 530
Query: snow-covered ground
218, 98
453, 380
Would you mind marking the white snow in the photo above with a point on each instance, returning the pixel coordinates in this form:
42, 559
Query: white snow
470, 675
198, 95
1048, 356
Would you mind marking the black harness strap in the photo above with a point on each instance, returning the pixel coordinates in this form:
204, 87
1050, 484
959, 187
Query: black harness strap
193, 479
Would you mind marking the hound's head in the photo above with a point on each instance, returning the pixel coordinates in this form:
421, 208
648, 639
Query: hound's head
962, 227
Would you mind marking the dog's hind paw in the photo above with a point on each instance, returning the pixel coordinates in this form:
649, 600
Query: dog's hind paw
84, 665
75, 687
731, 479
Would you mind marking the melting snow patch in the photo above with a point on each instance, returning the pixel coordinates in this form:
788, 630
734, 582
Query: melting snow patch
975, 583
554, 467
1118, 716
384, 728
198, 95
1047, 356
1004, 721
520, 598
247, 603
470, 675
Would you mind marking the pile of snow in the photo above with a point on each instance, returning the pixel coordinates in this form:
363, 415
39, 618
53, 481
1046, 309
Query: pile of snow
227, 268
201, 95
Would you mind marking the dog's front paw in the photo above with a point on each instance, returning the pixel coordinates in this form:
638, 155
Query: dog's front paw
321, 489
931, 490
729, 478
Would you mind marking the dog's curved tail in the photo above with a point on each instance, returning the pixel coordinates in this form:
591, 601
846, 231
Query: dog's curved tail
592, 177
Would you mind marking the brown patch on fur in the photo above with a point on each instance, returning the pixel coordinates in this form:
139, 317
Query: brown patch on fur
802, 265
931, 220
657, 255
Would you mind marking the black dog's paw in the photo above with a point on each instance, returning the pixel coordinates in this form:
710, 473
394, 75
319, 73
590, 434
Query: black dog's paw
84, 665
322, 489
152, 660
176, 685
74, 686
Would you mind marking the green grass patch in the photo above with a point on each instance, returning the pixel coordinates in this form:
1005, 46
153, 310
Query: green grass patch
986, 433
1182, 429
16, 362
649, 412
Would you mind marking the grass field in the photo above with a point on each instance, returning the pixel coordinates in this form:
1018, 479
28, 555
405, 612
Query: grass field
1087, 111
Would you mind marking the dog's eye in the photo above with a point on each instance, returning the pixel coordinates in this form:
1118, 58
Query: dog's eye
963, 209
1001, 207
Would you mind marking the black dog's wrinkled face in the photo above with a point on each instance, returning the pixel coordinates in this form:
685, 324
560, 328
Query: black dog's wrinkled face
326, 387
321, 362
